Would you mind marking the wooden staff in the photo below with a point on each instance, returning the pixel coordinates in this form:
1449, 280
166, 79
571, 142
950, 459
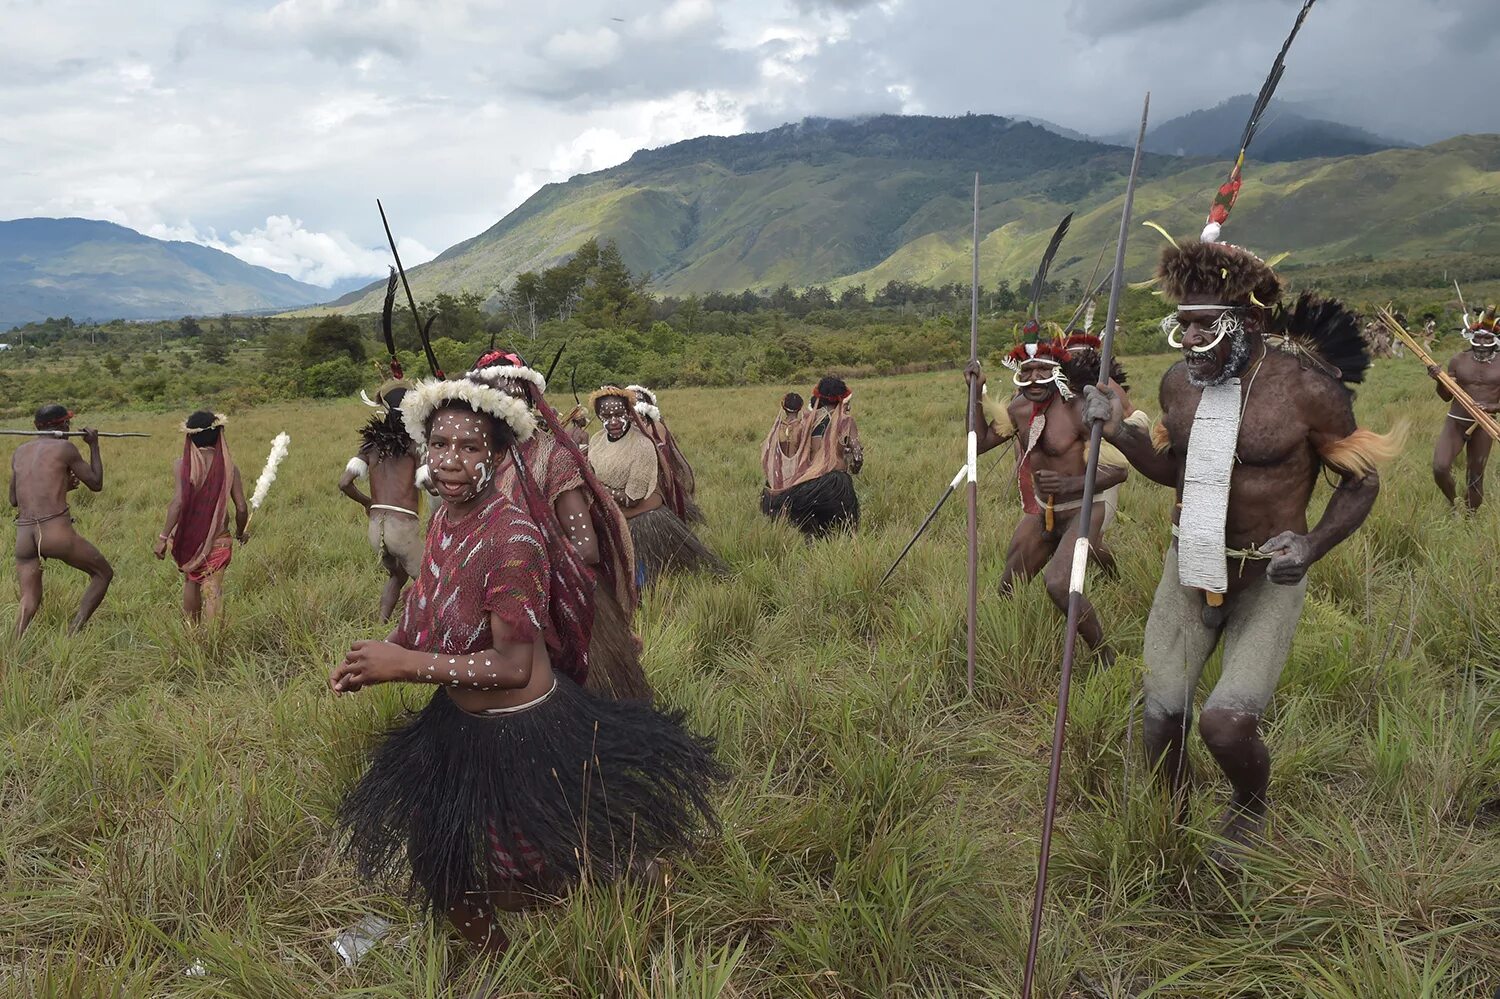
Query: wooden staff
1483, 420
1080, 569
972, 462
62, 433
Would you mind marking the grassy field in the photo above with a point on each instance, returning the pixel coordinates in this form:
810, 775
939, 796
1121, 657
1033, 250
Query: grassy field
166, 799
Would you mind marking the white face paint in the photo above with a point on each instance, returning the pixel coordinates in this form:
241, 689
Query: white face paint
460, 453
615, 416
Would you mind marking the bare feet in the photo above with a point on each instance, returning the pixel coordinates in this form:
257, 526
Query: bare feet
1241, 828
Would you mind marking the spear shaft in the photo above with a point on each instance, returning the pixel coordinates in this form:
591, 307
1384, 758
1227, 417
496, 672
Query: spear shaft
410, 299
971, 465
1080, 569
63, 433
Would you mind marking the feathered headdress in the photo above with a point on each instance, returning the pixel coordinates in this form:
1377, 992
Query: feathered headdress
392, 377
1488, 322
1232, 274
497, 364
611, 392
1032, 347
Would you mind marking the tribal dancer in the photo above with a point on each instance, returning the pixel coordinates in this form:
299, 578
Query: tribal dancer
587, 516
783, 445
577, 423
633, 469
1051, 459
42, 473
818, 494
388, 456
1250, 417
207, 481
513, 783
1476, 372
680, 487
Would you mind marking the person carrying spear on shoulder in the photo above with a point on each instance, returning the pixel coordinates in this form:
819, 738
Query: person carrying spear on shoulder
42, 473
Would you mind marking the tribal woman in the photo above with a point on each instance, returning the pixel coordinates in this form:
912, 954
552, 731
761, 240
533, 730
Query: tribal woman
679, 485
634, 470
513, 783
818, 493
207, 481
588, 517
783, 445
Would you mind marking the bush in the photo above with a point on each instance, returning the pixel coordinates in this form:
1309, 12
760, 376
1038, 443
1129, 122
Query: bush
330, 379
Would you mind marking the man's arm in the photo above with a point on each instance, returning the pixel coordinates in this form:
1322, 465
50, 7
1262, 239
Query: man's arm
174, 511
90, 473
1329, 413
241, 508
357, 469
990, 422
1131, 439
1442, 390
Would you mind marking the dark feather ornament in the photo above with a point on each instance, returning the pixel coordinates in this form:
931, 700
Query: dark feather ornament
1323, 333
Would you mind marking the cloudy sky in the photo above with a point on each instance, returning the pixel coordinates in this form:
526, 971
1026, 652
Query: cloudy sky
268, 129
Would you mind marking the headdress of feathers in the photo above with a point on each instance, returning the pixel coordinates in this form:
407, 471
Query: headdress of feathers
645, 402
1231, 274
1486, 327
1322, 334
1032, 346
391, 375
1084, 355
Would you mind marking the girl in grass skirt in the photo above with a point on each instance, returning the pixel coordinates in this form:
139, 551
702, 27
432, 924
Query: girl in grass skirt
513, 783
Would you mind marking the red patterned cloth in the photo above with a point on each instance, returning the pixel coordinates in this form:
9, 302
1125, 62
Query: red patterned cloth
492, 561
205, 477
217, 560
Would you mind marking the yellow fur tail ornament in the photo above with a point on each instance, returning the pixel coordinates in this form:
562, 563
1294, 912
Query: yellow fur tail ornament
1365, 451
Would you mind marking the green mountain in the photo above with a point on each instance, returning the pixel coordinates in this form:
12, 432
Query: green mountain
888, 198
88, 269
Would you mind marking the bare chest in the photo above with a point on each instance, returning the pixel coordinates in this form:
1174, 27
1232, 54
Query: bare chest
1270, 431
1482, 381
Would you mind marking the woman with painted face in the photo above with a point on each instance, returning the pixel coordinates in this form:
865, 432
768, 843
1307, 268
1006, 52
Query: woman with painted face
633, 469
513, 783
587, 516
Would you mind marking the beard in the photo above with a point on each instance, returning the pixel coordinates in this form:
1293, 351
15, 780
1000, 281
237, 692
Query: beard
1485, 354
1234, 363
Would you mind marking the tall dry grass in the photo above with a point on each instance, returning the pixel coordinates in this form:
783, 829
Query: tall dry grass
166, 799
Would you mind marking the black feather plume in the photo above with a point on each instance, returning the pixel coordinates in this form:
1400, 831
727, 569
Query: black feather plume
1041, 271
573, 381
426, 331
1327, 330
553, 366
385, 315
1267, 89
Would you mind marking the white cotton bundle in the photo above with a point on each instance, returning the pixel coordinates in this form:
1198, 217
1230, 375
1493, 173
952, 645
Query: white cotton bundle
268, 474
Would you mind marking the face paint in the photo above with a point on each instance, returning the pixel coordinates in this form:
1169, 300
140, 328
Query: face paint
1037, 381
460, 454
615, 417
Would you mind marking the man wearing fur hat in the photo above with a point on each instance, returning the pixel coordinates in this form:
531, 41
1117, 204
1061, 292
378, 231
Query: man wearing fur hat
1476, 372
389, 458
1251, 416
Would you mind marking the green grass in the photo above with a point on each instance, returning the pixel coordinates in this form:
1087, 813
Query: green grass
167, 800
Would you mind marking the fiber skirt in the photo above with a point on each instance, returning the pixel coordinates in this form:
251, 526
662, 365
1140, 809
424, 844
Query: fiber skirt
570, 787
663, 543
816, 507
614, 652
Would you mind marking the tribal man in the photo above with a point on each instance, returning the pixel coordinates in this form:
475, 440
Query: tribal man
587, 516
1476, 372
680, 487
389, 457
818, 494
1250, 417
1051, 460
783, 445
633, 469
42, 473
206, 481
577, 424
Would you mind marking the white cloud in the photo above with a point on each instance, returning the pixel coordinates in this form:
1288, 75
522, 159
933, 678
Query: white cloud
575, 49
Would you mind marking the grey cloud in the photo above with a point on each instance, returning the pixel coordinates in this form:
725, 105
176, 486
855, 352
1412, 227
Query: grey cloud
1097, 18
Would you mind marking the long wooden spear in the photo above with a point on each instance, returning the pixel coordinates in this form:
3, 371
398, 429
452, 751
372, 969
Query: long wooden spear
972, 462
63, 433
1080, 567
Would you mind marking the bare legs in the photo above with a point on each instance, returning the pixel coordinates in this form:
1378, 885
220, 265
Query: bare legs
58, 541
203, 602
1477, 454
391, 595
1031, 552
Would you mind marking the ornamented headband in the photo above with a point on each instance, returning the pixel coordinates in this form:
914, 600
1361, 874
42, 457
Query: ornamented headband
430, 395
220, 420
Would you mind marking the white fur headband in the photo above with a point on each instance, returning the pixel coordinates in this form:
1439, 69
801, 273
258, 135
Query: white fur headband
495, 371
424, 399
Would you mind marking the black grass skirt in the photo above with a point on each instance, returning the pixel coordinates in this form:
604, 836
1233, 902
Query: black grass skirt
614, 657
572, 787
663, 543
817, 507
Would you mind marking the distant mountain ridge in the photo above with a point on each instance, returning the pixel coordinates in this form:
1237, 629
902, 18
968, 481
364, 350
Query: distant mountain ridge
90, 269
1287, 132
888, 198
